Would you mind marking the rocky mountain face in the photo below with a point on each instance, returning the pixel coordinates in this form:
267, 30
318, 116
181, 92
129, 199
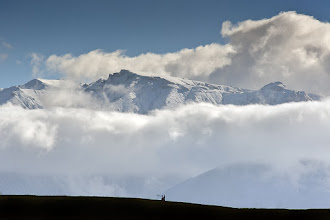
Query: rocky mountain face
129, 92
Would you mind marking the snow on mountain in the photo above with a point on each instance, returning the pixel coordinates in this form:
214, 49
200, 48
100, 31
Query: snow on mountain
27, 95
271, 94
129, 92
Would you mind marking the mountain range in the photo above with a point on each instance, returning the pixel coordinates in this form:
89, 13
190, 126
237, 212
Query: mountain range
130, 92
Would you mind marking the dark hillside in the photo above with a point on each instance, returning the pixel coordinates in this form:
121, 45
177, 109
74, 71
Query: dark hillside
56, 207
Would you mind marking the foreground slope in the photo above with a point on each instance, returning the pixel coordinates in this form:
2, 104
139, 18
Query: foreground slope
33, 207
129, 92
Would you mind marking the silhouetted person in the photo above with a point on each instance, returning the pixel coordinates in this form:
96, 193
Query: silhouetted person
163, 197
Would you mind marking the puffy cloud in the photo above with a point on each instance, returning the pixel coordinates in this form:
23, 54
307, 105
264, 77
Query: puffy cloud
68, 95
32, 131
167, 145
289, 47
185, 63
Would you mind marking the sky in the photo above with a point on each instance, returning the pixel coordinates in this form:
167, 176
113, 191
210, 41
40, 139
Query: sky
70, 150
137, 27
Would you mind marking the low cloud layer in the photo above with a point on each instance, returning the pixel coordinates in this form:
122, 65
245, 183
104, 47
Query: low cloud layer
179, 143
289, 47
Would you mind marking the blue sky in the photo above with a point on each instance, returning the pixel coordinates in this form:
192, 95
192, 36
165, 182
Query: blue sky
77, 27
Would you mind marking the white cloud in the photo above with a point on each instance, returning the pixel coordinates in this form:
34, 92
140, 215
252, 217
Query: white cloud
177, 143
68, 95
289, 47
32, 131
185, 63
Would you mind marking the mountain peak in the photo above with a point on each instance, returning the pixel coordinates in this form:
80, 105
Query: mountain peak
39, 84
123, 72
36, 84
274, 86
121, 75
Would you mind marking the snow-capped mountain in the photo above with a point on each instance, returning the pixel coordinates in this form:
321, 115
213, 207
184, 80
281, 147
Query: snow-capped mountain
28, 95
129, 92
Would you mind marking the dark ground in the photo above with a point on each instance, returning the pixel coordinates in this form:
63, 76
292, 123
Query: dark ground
61, 207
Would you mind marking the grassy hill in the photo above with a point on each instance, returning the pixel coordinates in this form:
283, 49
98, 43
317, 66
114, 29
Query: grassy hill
61, 207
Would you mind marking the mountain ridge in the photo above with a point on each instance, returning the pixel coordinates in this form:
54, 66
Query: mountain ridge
126, 91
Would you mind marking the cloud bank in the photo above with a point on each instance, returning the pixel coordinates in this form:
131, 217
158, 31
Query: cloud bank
167, 145
289, 47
